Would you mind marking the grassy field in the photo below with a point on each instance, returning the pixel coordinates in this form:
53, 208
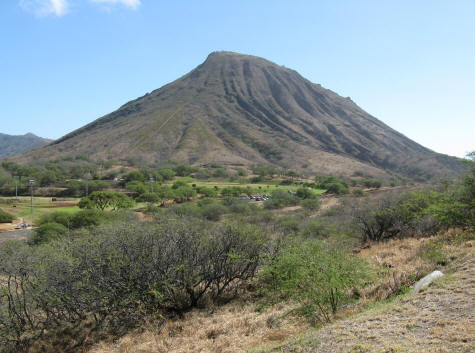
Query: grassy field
41, 205
21, 207
262, 187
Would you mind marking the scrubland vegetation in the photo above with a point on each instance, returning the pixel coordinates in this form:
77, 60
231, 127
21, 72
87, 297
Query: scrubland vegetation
102, 271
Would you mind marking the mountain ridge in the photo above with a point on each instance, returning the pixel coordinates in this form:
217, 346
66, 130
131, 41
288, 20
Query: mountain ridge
11, 145
237, 109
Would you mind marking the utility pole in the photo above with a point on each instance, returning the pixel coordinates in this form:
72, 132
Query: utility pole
16, 186
31, 193
87, 184
151, 183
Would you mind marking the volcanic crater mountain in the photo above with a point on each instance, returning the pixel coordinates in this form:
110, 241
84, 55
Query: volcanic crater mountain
241, 110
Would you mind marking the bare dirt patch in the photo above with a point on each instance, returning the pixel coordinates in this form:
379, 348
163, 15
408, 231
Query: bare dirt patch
8, 227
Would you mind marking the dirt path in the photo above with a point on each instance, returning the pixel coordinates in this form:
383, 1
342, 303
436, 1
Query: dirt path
9, 227
440, 319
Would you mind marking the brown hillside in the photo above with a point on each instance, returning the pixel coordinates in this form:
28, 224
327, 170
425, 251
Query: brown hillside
241, 110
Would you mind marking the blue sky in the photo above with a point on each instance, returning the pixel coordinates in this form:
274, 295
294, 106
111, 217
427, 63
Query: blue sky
64, 63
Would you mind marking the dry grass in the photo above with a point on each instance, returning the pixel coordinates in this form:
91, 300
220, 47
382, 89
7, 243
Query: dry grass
439, 319
402, 261
231, 328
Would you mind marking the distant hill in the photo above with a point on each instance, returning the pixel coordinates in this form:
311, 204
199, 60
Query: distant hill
241, 110
11, 145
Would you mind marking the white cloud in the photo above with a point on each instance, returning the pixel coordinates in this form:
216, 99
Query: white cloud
129, 3
46, 7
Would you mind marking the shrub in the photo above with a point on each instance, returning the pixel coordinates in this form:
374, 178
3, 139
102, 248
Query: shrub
281, 198
60, 217
318, 276
231, 191
434, 252
286, 182
371, 183
57, 224
241, 172
179, 183
310, 204
457, 207
119, 273
337, 188
183, 170
207, 191
316, 229
187, 210
137, 186
220, 173
166, 173
105, 199
149, 197
290, 224
86, 218
332, 184
165, 192
397, 215
184, 193
6, 217
135, 176
358, 192
305, 193
206, 201
47, 232
240, 207
213, 211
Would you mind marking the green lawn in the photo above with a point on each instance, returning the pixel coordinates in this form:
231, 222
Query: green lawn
264, 187
41, 205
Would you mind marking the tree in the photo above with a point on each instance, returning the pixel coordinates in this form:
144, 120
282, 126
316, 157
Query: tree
138, 187
305, 193
167, 173
104, 199
184, 193
149, 197
183, 170
207, 191
120, 201
231, 191
6, 217
134, 176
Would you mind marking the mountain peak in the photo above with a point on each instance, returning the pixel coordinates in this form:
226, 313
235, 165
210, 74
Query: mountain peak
228, 54
11, 145
223, 57
242, 110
